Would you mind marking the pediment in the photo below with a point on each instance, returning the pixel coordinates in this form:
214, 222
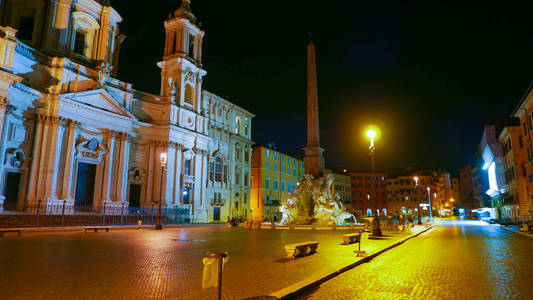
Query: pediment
101, 99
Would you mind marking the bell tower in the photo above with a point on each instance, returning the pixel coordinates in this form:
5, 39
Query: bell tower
181, 68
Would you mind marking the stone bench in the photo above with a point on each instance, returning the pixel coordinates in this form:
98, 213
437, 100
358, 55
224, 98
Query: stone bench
95, 228
301, 249
351, 238
17, 230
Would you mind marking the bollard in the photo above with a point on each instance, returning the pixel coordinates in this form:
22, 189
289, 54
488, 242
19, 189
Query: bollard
313, 226
273, 225
362, 243
212, 269
139, 224
333, 226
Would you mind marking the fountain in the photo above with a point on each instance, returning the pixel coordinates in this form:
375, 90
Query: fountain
313, 203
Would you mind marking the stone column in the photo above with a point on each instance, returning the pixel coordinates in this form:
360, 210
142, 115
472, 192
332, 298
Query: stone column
177, 174
4, 102
51, 155
149, 199
33, 195
123, 164
108, 166
66, 192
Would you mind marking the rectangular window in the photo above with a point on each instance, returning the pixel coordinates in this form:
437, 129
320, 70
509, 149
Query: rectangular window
225, 174
25, 29
245, 179
237, 177
191, 46
79, 42
211, 171
525, 128
275, 185
267, 183
187, 167
282, 185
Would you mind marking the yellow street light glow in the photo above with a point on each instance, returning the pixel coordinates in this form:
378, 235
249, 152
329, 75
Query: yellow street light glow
452, 200
372, 133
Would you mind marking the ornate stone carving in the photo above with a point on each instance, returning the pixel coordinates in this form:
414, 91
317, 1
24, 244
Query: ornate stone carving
14, 158
190, 76
90, 150
104, 71
137, 175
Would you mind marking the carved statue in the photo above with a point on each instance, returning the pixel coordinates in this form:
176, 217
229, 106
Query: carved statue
313, 202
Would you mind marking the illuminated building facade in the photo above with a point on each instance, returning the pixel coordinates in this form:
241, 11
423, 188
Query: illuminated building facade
515, 157
362, 193
72, 134
524, 111
405, 197
274, 176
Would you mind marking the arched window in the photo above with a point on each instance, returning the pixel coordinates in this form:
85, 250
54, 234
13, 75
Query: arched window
84, 31
189, 94
218, 169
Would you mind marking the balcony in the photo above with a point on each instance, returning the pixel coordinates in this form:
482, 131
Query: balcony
218, 202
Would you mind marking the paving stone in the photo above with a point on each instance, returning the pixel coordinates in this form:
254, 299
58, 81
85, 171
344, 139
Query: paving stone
457, 260
148, 264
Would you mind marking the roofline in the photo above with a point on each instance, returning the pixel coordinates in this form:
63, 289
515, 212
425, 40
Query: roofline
229, 103
523, 99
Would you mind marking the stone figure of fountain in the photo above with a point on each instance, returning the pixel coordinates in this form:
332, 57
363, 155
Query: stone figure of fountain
313, 203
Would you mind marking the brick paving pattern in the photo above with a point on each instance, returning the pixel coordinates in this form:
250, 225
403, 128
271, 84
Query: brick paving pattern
148, 264
458, 260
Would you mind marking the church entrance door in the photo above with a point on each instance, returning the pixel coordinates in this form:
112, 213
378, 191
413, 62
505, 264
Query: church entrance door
11, 190
85, 180
135, 195
216, 213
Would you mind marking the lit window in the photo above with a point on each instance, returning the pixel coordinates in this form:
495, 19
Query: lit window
189, 94
218, 169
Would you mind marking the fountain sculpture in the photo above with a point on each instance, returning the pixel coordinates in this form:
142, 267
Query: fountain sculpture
313, 203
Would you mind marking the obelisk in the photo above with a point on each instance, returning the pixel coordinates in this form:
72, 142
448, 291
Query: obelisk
313, 160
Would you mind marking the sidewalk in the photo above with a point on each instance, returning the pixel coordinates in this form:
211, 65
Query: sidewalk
167, 264
516, 229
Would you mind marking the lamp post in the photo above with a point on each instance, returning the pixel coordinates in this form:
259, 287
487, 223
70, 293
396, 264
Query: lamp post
371, 134
163, 159
430, 207
418, 200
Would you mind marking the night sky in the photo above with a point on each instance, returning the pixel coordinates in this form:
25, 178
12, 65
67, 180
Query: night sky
430, 73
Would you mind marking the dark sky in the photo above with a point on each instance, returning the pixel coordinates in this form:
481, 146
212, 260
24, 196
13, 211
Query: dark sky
430, 73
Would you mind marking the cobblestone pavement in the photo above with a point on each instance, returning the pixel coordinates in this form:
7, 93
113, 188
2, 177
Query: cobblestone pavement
458, 260
148, 264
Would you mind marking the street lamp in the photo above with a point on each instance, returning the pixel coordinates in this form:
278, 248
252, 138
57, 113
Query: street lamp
372, 134
418, 200
430, 207
163, 159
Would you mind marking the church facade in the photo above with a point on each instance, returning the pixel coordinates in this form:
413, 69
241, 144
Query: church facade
73, 135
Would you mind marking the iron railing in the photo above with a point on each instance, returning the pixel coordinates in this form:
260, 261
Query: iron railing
63, 214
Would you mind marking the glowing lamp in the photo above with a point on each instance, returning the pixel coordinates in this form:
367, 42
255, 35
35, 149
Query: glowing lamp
371, 134
163, 158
